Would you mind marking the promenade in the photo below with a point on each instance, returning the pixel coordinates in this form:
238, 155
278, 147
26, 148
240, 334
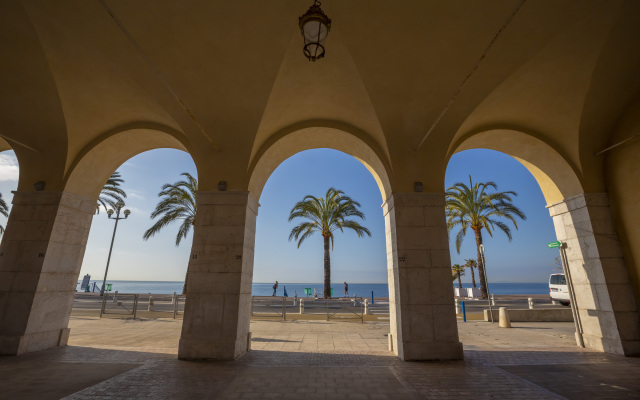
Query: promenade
136, 359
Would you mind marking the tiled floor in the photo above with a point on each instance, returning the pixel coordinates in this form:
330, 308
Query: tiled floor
124, 359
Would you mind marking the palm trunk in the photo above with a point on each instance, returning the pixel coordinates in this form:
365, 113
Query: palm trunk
459, 281
483, 282
327, 269
473, 277
186, 279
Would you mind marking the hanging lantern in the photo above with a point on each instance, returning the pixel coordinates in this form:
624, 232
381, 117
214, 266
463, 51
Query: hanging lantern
314, 25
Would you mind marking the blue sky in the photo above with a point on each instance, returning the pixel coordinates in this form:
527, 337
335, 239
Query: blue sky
524, 259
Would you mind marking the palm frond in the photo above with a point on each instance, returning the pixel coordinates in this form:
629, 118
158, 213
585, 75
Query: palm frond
178, 203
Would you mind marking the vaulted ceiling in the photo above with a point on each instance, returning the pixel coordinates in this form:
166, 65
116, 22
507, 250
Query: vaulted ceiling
414, 78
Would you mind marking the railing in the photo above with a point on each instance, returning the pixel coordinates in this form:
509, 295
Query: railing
134, 305
119, 303
271, 307
343, 309
352, 308
176, 304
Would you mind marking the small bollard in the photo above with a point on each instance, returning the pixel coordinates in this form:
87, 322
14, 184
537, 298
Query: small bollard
530, 303
504, 321
464, 313
493, 300
284, 308
150, 304
115, 296
301, 306
457, 306
366, 307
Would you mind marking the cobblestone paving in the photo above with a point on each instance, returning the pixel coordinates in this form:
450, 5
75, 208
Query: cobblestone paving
322, 360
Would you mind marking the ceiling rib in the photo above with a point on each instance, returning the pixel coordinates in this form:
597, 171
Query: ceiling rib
473, 70
156, 71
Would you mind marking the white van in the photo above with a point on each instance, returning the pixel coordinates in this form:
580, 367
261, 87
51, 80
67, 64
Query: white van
558, 289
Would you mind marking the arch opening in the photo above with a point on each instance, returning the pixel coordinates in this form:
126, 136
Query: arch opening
148, 272
555, 176
309, 138
94, 165
583, 225
9, 178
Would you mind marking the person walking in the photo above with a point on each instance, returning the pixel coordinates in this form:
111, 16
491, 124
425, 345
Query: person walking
346, 290
275, 287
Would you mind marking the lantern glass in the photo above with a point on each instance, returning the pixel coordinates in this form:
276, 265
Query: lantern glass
314, 26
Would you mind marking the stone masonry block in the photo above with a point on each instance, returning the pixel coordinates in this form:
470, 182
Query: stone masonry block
216, 282
409, 216
440, 258
414, 258
417, 322
418, 199
621, 297
203, 316
614, 270
222, 198
586, 296
58, 282
628, 324
415, 238
18, 281
608, 246
414, 286
445, 325
440, 286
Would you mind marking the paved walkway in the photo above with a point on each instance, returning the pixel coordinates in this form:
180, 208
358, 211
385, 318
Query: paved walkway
126, 359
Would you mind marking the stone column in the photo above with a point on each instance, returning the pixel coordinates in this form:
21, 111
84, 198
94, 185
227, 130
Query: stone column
604, 297
218, 302
40, 259
423, 320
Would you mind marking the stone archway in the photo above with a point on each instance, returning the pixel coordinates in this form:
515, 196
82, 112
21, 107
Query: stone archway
43, 249
217, 313
583, 221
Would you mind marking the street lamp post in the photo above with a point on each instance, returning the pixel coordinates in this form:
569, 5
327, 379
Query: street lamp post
119, 206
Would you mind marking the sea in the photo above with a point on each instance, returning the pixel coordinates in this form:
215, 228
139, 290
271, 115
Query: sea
266, 289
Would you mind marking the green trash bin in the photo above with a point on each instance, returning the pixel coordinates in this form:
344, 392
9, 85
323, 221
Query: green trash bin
307, 291
108, 287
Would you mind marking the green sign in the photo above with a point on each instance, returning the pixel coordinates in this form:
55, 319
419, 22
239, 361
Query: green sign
555, 244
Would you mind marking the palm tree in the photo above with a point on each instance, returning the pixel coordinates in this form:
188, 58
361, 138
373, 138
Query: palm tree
472, 207
4, 210
325, 215
458, 271
471, 264
178, 204
111, 192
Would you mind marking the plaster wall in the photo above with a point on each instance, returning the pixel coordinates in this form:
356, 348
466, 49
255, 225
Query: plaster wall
40, 259
218, 306
604, 296
421, 304
622, 170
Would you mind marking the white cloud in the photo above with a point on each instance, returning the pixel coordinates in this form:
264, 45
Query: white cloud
9, 170
134, 195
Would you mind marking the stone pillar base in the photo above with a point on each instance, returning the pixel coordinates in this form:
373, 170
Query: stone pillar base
16, 345
208, 349
431, 351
